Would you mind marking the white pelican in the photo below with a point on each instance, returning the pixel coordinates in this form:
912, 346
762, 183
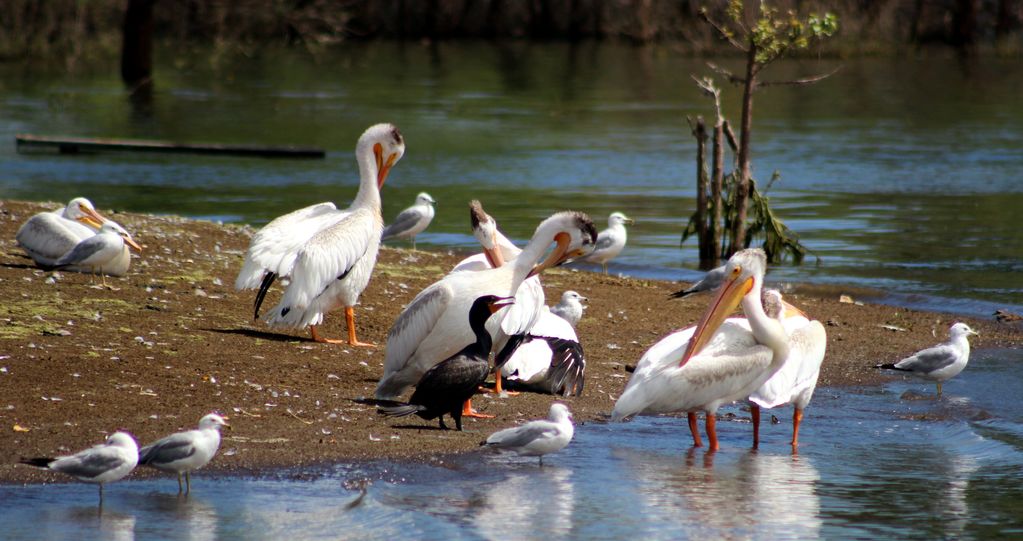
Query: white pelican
435, 325
516, 320
570, 308
104, 463
101, 252
334, 266
548, 358
48, 235
796, 380
611, 241
700, 369
537, 438
941, 362
184, 452
710, 281
411, 221
446, 387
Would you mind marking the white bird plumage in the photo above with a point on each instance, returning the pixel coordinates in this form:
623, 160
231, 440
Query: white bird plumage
796, 380
47, 236
717, 362
187, 451
549, 358
435, 324
334, 266
941, 362
104, 253
411, 221
611, 241
105, 463
539, 437
570, 307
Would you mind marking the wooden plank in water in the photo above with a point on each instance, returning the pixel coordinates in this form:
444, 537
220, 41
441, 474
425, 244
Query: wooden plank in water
73, 145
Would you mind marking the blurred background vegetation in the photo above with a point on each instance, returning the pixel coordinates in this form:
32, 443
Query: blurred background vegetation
70, 30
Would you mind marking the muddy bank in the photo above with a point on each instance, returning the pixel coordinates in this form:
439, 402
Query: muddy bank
173, 340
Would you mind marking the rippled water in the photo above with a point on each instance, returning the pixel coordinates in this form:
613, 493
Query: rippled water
903, 175
890, 462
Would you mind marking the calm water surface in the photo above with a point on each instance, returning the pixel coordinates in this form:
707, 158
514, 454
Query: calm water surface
875, 463
902, 175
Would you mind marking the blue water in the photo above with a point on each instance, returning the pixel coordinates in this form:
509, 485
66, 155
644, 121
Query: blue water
903, 175
888, 462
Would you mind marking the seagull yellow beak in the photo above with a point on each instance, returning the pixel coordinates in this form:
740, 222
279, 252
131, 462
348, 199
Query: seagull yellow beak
725, 302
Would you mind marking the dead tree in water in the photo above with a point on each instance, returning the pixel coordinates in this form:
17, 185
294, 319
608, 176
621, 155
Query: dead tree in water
763, 35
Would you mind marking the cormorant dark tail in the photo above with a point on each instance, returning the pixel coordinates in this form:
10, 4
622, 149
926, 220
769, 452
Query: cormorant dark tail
400, 411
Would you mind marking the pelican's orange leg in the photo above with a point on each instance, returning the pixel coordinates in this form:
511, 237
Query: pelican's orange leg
797, 418
350, 320
712, 433
695, 429
320, 339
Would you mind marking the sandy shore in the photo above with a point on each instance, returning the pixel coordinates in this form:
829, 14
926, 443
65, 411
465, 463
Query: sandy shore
173, 340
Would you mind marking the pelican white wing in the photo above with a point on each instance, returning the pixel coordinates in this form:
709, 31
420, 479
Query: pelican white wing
331, 255
725, 371
275, 247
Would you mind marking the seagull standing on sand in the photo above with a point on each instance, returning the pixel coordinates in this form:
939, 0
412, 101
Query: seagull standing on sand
942, 361
536, 438
101, 464
611, 241
99, 252
411, 221
184, 452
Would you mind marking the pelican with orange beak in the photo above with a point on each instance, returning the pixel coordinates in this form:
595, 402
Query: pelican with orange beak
719, 361
435, 324
333, 267
47, 236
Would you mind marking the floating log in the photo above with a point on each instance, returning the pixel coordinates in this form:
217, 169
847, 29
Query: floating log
74, 145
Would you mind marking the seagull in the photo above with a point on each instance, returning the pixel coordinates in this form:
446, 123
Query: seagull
796, 380
184, 452
48, 235
100, 251
611, 241
536, 438
334, 266
548, 358
942, 361
101, 464
411, 221
717, 362
434, 325
710, 281
570, 308
445, 387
